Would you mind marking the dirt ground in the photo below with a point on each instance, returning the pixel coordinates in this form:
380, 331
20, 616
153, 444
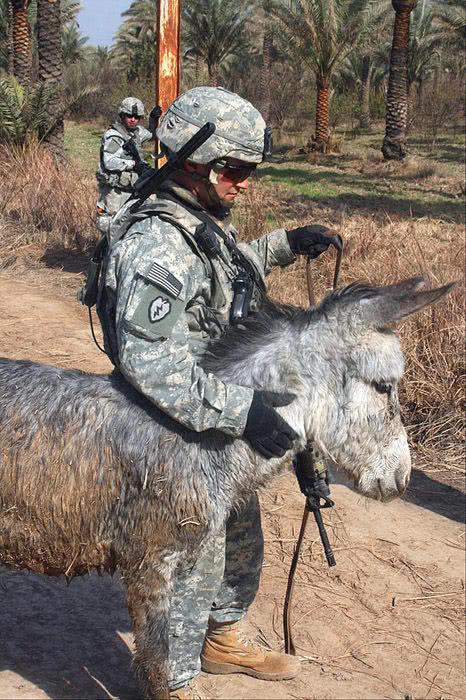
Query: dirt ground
386, 622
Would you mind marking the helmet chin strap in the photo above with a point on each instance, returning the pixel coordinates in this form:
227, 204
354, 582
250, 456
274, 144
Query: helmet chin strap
213, 177
213, 203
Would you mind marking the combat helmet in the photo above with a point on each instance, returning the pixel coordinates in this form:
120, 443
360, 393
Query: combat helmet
132, 106
240, 128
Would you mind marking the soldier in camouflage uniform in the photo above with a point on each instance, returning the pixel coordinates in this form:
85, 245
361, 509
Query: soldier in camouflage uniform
118, 170
169, 284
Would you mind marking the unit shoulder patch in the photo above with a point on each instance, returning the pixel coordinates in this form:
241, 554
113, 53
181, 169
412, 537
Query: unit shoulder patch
158, 303
158, 309
113, 144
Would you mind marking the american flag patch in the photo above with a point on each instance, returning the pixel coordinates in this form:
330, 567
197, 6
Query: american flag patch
162, 278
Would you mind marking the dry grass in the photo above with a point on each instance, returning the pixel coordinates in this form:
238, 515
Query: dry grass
43, 203
53, 208
382, 250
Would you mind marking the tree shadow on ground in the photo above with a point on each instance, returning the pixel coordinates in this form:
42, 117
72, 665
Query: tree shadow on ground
407, 207
370, 201
66, 639
442, 150
66, 259
437, 496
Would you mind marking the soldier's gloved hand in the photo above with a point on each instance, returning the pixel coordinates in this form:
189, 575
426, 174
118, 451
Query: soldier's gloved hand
313, 240
154, 117
141, 168
265, 429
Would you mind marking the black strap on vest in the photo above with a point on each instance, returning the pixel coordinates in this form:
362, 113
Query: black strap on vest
237, 255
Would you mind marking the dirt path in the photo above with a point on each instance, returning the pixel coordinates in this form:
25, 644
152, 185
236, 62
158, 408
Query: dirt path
385, 623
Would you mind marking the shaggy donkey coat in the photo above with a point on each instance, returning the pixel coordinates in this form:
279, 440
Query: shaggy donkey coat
92, 475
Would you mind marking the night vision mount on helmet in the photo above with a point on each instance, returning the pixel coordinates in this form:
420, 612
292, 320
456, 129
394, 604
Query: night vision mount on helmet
132, 107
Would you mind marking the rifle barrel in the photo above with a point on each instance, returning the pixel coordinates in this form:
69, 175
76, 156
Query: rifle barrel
145, 186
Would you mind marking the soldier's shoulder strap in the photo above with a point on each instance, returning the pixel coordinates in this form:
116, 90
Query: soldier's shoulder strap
235, 251
143, 134
166, 210
120, 130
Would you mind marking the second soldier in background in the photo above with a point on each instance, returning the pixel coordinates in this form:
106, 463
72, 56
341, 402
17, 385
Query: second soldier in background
121, 160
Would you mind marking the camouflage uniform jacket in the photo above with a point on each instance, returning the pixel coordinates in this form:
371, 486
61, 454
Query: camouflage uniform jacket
115, 174
116, 166
164, 299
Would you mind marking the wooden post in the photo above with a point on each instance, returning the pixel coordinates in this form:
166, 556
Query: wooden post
167, 69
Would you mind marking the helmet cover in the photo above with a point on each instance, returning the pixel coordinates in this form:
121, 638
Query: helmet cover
132, 106
239, 125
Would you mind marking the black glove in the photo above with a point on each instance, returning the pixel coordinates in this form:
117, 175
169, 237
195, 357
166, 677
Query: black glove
313, 240
265, 429
140, 167
154, 117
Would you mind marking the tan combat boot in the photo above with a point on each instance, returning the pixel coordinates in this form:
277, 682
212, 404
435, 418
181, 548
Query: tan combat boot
225, 651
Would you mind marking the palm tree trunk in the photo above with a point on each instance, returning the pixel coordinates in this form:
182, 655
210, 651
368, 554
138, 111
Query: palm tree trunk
22, 57
213, 74
264, 84
364, 119
394, 143
11, 53
50, 70
322, 112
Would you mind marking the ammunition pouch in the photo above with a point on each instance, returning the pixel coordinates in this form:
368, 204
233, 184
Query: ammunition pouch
123, 181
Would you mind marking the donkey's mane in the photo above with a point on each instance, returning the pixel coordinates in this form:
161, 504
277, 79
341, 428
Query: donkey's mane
239, 341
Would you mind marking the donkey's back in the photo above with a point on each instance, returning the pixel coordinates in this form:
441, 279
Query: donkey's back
78, 463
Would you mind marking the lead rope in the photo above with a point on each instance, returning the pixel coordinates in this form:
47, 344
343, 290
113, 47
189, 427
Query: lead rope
314, 485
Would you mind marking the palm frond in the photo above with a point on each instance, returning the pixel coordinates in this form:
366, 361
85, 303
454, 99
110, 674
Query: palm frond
23, 113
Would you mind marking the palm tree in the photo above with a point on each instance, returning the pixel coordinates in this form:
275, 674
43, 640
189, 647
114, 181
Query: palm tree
267, 50
22, 54
23, 110
394, 143
135, 41
425, 44
451, 15
215, 31
69, 11
356, 75
324, 32
360, 66
50, 53
6, 36
73, 43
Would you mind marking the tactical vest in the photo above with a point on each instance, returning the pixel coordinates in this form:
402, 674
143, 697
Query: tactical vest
122, 180
206, 321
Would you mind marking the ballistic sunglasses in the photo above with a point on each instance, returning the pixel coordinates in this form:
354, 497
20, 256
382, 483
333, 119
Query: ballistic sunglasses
234, 171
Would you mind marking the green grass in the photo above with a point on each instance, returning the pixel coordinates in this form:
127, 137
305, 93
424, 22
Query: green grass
429, 183
357, 177
375, 193
82, 143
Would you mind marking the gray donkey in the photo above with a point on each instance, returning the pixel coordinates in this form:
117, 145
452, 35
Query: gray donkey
92, 475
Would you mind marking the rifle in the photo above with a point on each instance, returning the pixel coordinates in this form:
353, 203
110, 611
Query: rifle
145, 185
131, 149
150, 181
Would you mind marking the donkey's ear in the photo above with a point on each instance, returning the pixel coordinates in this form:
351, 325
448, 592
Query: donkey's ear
388, 307
407, 286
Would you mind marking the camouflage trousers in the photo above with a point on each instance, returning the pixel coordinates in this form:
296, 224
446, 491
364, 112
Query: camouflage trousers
221, 584
109, 201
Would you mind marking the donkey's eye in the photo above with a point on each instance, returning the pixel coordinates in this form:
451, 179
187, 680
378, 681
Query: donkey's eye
382, 387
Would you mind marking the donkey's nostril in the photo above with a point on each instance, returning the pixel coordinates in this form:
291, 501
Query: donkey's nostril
401, 480
380, 496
